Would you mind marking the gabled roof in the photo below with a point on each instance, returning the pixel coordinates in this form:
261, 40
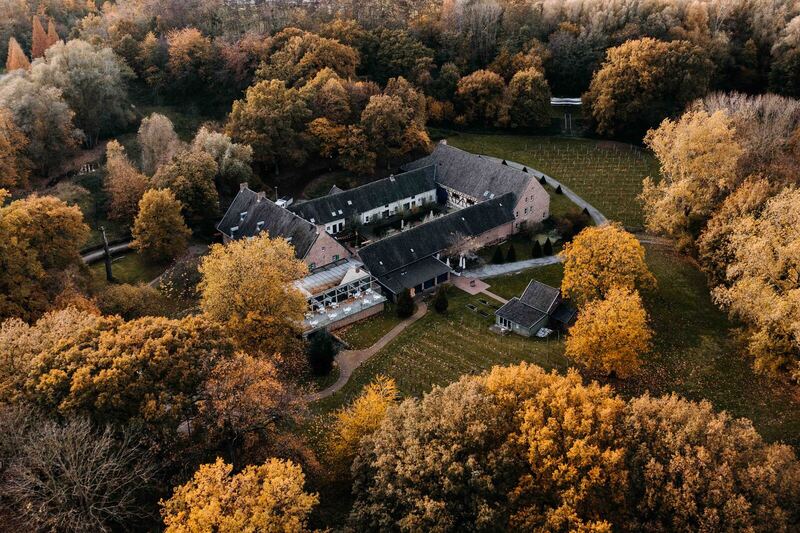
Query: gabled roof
251, 213
540, 296
537, 301
472, 174
519, 313
346, 204
427, 239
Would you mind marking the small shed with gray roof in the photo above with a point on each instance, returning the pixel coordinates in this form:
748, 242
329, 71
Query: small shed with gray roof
539, 306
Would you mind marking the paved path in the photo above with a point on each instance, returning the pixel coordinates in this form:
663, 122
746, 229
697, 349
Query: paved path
490, 294
487, 271
349, 360
598, 217
97, 255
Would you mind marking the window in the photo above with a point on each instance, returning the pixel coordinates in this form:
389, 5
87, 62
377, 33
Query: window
312, 266
336, 257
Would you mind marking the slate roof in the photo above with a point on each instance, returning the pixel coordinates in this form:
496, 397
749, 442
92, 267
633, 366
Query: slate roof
540, 296
346, 204
537, 301
472, 174
414, 274
419, 242
252, 213
519, 313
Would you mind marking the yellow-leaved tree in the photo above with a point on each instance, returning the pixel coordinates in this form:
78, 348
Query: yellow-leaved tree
762, 279
14, 165
578, 477
266, 498
359, 419
124, 184
698, 155
159, 232
611, 334
247, 285
603, 257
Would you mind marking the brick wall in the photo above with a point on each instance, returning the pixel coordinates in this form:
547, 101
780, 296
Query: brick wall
324, 250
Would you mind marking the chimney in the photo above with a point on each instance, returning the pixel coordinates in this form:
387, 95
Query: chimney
260, 196
242, 185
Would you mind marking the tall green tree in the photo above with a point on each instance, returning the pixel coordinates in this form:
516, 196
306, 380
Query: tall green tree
93, 83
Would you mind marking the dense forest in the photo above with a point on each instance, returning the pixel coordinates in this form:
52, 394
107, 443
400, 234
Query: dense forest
186, 406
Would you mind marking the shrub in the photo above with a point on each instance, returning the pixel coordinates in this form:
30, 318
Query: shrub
511, 255
131, 301
322, 350
548, 247
536, 251
405, 304
440, 302
498, 258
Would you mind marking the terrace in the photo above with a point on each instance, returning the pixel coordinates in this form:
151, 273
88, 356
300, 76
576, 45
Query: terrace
338, 294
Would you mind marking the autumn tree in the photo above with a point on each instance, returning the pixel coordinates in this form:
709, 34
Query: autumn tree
16, 58
14, 165
124, 184
39, 39
480, 98
296, 56
159, 231
158, 142
70, 476
326, 97
362, 417
698, 155
691, 468
41, 113
131, 301
152, 61
40, 237
578, 477
92, 81
247, 285
349, 145
611, 334
643, 81
390, 128
52, 33
245, 405
601, 258
762, 275
529, 97
233, 159
268, 497
190, 176
190, 60
148, 371
270, 119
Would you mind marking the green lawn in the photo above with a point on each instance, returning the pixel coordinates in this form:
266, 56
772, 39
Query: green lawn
128, 268
512, 285
437, 349
367, 332
607, 174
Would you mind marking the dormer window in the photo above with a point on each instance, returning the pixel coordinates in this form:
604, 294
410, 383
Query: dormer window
340, 211
349, 202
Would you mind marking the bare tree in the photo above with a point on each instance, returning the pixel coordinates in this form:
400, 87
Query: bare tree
70, 477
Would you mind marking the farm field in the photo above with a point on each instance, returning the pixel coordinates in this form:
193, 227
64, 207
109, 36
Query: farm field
607, 174
438, 349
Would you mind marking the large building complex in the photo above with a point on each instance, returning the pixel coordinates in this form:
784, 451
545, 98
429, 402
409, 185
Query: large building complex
486, 202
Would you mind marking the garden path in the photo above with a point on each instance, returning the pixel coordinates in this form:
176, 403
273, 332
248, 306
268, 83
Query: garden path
349, 360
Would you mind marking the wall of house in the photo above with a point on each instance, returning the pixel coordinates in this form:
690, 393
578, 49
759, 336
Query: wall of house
325, 250
418, 200
494, 235
533, 205
521, 330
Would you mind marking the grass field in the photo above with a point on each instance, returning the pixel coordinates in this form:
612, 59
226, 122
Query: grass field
367, 332
128, 268
607, 174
